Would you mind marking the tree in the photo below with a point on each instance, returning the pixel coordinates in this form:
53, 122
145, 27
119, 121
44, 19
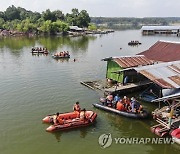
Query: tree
92, 26
83, 19
58, 14
48, 15
46, 26
12, 13
1, 23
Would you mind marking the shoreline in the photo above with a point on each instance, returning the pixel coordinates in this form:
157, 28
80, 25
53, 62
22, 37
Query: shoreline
11, 33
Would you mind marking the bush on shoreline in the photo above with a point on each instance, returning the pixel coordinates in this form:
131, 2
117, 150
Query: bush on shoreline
20, 20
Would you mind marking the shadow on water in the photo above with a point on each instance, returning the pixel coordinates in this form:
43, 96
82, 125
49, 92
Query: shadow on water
83, 132
52, 43
61, 60
73, 43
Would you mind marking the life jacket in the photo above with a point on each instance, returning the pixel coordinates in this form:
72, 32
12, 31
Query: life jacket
61, 122
76, 107
120, 106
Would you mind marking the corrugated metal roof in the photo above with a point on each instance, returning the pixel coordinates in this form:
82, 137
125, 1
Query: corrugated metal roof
173, 96
160, 27
166, 75
164, 51
130, 61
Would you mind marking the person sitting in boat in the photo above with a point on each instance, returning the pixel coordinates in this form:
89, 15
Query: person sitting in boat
109, 99
83, 115
120, 106
135, 105
33, 49
67, 53
76, 107
55, 118
60, 120
126, 103
116, 99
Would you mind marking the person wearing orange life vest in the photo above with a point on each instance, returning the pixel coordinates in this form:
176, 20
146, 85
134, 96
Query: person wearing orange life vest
120, 106
76, 107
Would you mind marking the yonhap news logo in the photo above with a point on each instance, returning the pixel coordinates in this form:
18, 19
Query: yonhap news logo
106, 140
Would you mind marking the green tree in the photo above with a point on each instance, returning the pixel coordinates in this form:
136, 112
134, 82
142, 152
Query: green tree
48, 15
83, 19
46, 26
12, 13
58, 15
92, 26
1, 23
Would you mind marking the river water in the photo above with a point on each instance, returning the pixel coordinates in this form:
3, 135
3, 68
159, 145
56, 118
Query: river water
33, 86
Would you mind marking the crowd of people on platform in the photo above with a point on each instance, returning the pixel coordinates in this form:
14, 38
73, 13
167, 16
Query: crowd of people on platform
125, 104
62, 54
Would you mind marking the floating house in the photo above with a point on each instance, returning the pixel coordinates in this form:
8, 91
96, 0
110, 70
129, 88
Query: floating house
151, 30
119, 63
164, 76
163, 51
157, 69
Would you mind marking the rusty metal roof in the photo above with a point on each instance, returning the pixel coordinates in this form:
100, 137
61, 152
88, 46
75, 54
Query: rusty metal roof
164, 51
130, 61
166, 75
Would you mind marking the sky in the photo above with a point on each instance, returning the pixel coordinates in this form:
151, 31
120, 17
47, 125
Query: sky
103, 8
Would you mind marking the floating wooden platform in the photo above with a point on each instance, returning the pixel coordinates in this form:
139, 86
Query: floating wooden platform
106, 88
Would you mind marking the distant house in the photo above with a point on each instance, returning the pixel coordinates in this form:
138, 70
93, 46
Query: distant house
151, 30
76, 29
164, 51
115, 64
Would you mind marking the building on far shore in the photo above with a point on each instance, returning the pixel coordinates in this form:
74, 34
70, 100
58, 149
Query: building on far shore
151, 30
163, 51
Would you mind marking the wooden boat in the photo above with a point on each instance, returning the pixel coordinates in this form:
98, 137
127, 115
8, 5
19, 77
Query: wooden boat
39, 52
57, 57
134, 43
144, 114
70, 120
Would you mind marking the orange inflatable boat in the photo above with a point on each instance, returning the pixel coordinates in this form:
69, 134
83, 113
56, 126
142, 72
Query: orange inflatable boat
70, 120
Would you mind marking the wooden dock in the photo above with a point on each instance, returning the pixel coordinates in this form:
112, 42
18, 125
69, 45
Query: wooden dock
116, 88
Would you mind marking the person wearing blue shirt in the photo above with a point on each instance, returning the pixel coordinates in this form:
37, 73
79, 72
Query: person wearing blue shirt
135, 105
116, 99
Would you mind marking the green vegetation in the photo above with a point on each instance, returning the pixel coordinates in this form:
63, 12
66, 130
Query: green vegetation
47, 22
92, 27
133, 23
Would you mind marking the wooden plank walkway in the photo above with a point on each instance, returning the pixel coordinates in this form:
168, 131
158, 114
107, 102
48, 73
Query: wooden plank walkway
103, 86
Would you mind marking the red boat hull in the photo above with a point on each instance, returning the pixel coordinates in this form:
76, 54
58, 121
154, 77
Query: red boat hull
71, 120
